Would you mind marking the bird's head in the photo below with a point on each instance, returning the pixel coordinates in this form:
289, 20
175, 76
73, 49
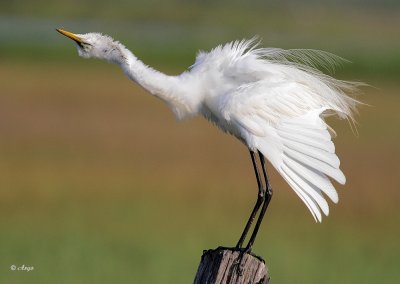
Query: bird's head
96, 45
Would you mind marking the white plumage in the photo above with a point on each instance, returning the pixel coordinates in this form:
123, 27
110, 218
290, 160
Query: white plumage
276, 106
273, 100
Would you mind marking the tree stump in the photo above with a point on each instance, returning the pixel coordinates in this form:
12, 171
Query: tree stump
227, 265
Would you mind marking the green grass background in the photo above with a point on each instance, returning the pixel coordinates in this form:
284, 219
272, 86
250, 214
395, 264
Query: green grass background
100, 184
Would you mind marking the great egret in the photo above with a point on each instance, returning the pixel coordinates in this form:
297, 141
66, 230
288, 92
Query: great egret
272, 100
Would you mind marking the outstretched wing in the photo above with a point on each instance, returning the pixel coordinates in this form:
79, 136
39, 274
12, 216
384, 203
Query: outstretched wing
301, 150
278, 108
283, 122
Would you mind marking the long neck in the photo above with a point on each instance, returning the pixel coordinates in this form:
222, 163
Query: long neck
153, 81
170, 89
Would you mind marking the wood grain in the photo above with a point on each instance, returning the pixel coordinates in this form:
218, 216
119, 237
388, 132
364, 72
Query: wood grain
227, 265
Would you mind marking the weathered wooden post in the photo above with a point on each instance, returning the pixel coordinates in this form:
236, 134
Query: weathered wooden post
227, 265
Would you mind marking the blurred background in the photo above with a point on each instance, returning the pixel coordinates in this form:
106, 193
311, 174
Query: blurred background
100, 184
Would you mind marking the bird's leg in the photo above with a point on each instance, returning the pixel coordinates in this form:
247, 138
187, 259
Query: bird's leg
267, 199
260, 199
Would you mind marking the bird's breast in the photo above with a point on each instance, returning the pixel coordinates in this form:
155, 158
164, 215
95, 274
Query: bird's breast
215, 116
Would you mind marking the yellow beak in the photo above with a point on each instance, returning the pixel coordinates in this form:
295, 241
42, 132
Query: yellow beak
70, 35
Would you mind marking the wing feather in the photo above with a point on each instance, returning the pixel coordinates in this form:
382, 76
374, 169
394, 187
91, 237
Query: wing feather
303, 181
279, 108
300, 148
310, 151
312, 176
330, 171
300, 139
304, 161
308, 201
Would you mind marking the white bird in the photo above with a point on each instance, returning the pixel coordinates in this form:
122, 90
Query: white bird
272, 100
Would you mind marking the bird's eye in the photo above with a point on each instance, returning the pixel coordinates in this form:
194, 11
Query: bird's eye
83, 45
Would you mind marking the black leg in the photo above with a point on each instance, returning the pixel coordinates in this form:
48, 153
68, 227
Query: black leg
260, 200
264, 207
